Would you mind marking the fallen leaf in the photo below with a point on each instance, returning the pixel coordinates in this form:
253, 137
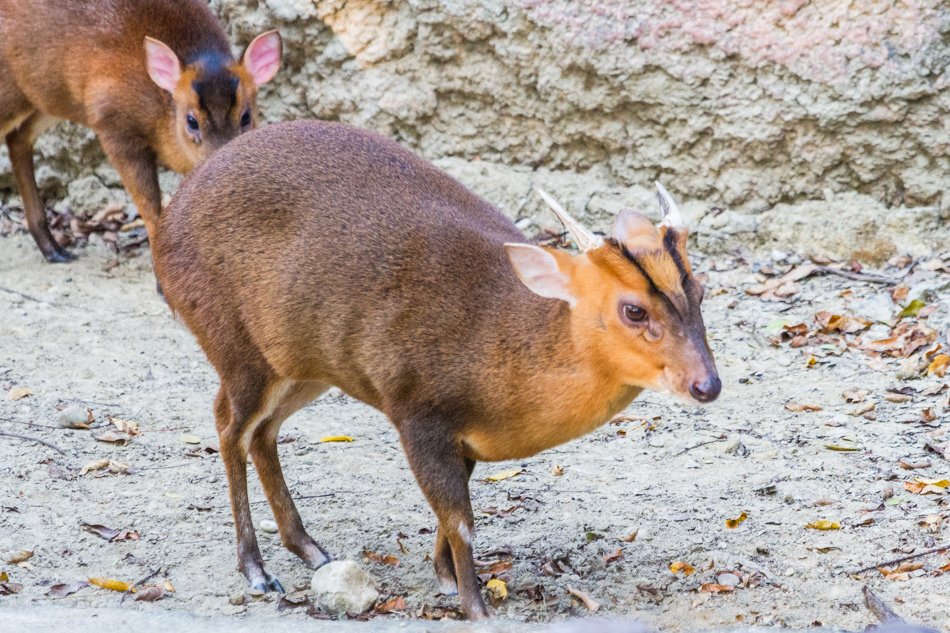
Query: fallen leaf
149, 594
938, 366
392, 605
113, 437
115, 468
557, 471
611, 558
912, 309
190, 439
505, 474
867, 407
927, 486
900, 573
18, 393
927, 415
897, 398
734, 523
798, 408
17, 556
842, 448
111, 584
125, 426
824, 525
8, 588
914, 465
66, 589
336, 438
168, 586
855, 395
630, 538
497, 589
383, 559
591, 604
681, 566
713, 587
101, 531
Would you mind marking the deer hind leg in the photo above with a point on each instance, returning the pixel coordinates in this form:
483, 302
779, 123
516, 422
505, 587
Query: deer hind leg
20, 142
244, 402
263, 445
442, 558
442, 473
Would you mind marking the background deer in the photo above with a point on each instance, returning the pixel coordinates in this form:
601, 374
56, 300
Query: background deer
155, 79
309, 254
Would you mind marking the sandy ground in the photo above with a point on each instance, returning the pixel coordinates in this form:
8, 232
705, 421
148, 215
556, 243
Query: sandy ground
94, 334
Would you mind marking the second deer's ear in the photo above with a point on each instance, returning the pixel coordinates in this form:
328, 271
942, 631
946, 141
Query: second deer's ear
538, 270
262, 57
162, 64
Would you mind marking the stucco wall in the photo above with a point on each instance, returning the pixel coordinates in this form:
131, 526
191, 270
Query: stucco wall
764, 108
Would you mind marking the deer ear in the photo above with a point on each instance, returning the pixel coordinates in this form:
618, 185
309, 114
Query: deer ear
538, 269
635, 230
262, 57
162, 64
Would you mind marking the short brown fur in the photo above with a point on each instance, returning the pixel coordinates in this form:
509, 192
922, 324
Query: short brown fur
84, 61
307, 254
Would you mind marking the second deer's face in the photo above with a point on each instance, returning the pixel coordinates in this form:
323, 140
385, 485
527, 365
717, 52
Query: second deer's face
214, 96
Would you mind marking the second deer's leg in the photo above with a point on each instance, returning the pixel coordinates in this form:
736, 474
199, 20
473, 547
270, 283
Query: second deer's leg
20, 144
243, 402
293, 534
442, 558
440, 468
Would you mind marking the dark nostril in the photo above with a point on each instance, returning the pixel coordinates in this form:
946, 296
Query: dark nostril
706, 390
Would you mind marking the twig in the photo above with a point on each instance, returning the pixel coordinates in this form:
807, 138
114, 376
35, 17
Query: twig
686, 450
302, 497
880, 610
26, 296
935, 449
34, 439
902, 559
874, 278
140, 583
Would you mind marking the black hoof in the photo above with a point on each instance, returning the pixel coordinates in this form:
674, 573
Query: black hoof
266, 586
59, 256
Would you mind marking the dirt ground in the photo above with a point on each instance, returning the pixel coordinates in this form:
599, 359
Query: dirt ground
93, 334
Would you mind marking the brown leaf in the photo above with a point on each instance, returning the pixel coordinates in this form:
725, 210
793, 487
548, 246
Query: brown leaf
734, 523
10, 588
798, 408
713, 587
101, 531
591, 604
110, 583
611, 558
18, 393
17, 556
149, 594
393, 605
681, 566
863, 409
66, 589
383, 559
855, 395
113, 437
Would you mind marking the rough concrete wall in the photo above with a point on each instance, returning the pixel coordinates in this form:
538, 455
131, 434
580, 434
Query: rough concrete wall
757, 106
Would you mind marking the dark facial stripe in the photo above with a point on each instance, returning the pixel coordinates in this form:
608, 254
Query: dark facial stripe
654, 289
669, 243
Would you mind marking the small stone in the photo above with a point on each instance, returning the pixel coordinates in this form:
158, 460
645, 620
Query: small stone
72, 416
729, 579
237, 599
268, 526
342, 587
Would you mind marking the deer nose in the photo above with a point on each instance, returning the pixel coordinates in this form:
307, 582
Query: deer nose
706, 390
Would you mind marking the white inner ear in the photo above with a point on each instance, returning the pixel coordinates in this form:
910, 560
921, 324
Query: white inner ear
262, 57
538, 271
163, 65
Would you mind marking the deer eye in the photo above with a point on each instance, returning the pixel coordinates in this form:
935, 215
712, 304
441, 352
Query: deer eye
192, 123
246, 118
633, 314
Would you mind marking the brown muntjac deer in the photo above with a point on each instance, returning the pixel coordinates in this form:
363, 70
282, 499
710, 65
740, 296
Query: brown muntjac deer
154, 79
307, 255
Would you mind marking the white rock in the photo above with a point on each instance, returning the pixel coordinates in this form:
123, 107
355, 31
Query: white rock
268, 526
342, 587
71, 416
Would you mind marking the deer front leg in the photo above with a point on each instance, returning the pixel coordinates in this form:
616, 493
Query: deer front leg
442, 473
138, 168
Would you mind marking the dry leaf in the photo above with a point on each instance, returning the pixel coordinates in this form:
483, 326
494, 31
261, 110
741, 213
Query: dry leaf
113, 437
335, 438
630, 538
900, 573
897, 398
392, 605
867, 407
557, 471
798, 408
680, 566
168, 586
111, 584
824, 525
497, 589
383, 559
63, 589
17, 556
713, 587
734, 523
855, 395
612, 558
505, 474
591, 604
126, 426
18, 393
149, 594
842, 448
927, 486
115, 468
938, 366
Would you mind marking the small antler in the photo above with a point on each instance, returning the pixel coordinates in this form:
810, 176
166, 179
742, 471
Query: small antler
671, 216
585, 240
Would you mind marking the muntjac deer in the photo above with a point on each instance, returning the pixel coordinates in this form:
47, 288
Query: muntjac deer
154, 79
308, 254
